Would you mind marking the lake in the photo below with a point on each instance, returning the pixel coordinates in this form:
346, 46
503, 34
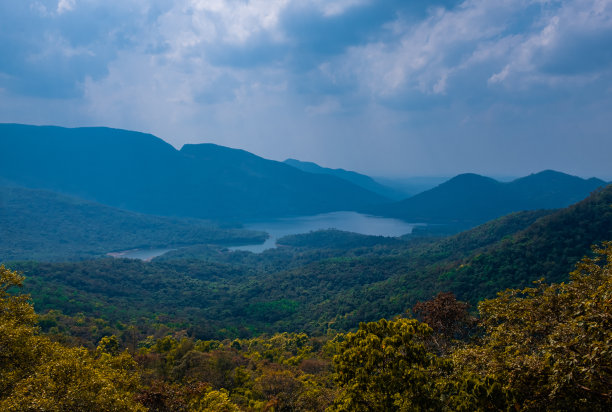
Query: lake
346, 221
142, 254
277, 228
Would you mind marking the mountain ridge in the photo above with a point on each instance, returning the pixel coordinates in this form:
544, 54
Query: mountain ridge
359, 179
472, 199
142, 173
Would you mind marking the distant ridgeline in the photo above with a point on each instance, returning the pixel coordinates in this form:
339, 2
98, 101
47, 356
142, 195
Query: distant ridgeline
469, 199
141, 172
357, 178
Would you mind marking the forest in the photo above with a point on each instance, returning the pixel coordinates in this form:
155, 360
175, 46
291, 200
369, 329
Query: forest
544, 347
305, 205
329, 320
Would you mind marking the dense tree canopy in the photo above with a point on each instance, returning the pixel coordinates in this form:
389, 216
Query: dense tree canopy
38, 374
551, 344
547, 347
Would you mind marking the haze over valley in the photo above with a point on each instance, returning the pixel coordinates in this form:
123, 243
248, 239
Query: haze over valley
305, 205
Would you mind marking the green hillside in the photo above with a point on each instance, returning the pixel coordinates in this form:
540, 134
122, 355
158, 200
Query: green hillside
42, 225
217, 293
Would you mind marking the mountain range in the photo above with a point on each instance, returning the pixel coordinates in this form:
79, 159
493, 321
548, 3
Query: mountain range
356, 178
469, 199
142, 173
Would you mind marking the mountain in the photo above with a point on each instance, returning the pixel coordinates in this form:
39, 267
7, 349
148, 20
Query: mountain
470, 199
356, 178
509, 252
410, 186
142, 173
548, 248
43, 225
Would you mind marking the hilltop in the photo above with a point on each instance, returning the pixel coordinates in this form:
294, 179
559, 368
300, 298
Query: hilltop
142, 173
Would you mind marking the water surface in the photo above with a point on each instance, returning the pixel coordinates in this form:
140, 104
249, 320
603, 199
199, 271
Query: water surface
142, 254
346, 221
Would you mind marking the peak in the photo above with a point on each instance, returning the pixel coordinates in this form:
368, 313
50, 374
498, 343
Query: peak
211, 149
470, 178
548, 176
549, 173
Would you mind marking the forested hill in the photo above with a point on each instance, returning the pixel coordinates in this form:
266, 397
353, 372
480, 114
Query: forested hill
546, 249
216, 293
141, 172
43, 225
470, 199
357, 178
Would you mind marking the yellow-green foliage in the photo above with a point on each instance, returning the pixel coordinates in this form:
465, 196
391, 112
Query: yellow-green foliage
542, 348
38, 374
547, 347
384, 366
214, 401
551, 346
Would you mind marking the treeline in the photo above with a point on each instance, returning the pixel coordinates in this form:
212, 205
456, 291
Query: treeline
43, 225
215, 294
546, 347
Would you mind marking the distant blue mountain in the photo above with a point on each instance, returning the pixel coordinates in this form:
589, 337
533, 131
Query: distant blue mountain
356, 178
141, 172
410, 186
472, 199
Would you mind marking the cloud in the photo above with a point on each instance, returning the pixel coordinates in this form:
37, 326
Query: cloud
65, 5
394, 78
511, 43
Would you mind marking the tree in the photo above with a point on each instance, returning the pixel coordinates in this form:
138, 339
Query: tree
214, 401
384, 366
38, 374
550, 345
448, 317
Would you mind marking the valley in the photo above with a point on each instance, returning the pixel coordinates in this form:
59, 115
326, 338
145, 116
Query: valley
234, 302
305, 206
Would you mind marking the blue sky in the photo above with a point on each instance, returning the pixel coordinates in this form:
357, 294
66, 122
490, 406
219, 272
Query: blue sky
399, 88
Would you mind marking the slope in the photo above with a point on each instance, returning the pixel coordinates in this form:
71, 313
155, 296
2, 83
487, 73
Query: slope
246, 180
356, 178
322, 290
43, 225
142, 173
374, 282
470, 199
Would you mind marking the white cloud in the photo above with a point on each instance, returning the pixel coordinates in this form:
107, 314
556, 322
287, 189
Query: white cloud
65, 6
478, 38
232, 21
331, 8
154, 65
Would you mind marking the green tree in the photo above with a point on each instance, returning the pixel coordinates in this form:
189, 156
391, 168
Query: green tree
384, 366
38, 374
214, 401
550, 345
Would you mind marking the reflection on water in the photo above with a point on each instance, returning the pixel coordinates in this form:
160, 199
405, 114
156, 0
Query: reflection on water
346, 221
142, 254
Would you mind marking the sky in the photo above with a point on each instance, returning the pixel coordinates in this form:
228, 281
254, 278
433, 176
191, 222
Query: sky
384, 87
